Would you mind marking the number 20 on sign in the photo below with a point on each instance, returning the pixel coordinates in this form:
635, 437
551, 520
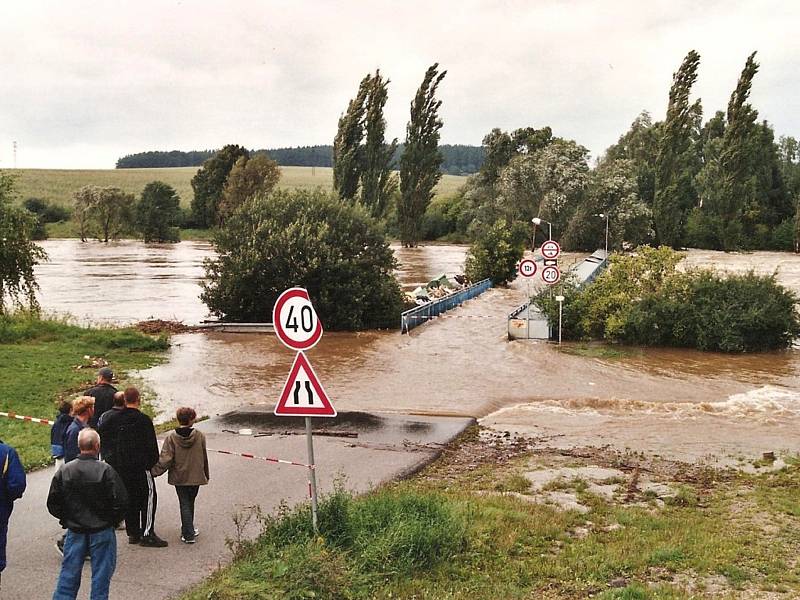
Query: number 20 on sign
295, 320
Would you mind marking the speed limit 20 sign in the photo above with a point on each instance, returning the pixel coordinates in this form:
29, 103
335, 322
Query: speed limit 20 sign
551, 275
295, 320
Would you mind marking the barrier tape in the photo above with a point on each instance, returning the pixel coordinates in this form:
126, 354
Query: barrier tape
266, 458
13, 415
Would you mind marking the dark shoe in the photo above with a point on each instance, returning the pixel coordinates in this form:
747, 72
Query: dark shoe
153, 541
134, 539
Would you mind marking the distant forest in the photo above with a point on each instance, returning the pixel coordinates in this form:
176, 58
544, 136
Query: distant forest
459, 159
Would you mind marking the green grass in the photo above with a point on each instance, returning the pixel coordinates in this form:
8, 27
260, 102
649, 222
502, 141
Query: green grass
452, 537
68, 229
59, 185
37, 368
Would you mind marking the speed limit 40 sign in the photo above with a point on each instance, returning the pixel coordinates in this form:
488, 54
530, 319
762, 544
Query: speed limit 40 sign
295, 321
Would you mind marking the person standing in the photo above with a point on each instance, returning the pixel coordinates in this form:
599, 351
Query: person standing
12, 486
103, 394
88, 499
184, 455
59, 431
130, 446
82, 412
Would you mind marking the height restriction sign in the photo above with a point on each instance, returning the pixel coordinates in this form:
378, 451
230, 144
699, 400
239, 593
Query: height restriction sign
295, 320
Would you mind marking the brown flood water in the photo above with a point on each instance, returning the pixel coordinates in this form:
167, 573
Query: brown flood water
461, 364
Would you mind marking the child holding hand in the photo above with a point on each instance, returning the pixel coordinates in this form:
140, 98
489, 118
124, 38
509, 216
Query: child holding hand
184, 456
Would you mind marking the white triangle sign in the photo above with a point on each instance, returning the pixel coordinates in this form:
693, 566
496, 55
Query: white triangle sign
303, 394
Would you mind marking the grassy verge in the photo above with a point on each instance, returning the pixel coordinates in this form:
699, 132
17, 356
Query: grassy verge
471, 527
68, 229
39, 362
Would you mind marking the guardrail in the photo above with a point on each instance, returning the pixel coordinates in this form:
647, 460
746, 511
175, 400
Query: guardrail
421, 314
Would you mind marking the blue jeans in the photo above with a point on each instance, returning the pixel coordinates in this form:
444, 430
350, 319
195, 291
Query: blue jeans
102, 548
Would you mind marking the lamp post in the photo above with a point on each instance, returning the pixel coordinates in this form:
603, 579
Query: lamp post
604, 215
538, 221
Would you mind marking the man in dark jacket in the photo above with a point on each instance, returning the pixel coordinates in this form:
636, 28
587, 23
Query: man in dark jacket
12, 488
130, 446
89, 499
103, 394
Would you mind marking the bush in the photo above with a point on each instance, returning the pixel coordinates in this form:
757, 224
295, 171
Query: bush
642, 299
308, 239
495, 253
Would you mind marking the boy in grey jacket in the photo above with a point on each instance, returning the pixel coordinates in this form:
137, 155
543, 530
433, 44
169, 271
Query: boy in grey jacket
184, 455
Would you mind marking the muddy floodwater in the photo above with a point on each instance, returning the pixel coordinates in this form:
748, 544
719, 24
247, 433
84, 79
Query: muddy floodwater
462, 364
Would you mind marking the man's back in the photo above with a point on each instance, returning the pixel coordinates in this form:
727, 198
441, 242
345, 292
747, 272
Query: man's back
87, 495
128, 440
103, 394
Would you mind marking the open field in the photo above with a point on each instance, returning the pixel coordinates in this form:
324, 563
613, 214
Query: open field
508, 518
58, 185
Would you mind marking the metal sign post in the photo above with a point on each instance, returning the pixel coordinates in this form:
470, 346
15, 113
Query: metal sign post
312, 475
560, 300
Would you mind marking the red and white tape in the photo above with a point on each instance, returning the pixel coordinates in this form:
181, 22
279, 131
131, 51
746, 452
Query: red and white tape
12, 415
266, 458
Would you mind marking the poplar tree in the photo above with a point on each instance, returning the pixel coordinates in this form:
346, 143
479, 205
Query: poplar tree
347, 150
728, 178
421, 159
377, 180
676, 161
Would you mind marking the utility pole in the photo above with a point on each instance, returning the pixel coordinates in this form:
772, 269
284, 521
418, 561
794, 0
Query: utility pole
15, 154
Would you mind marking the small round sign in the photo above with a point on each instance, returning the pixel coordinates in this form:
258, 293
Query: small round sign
550, 249
551, 275
527, 267
295, 321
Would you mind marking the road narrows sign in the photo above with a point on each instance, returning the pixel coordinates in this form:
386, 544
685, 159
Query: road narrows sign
303, 394
527, 267
295, 320
551, 275
550, 249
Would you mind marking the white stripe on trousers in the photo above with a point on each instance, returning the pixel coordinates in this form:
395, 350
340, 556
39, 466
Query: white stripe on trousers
150, 512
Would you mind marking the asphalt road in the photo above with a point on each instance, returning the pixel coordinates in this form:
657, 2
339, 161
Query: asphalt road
387, 447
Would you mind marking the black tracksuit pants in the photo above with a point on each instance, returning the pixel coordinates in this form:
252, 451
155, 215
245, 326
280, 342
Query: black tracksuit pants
140, 518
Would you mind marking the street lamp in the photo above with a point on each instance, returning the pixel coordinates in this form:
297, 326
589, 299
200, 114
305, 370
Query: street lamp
602, 215
538, 221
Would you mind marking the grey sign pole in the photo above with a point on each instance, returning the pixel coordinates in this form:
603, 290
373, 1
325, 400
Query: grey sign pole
312, 475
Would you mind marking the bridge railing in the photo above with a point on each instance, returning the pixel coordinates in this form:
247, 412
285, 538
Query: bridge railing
422, 314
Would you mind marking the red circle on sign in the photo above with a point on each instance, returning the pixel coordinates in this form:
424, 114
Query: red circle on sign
277, 322
546, 274
550, 249
531, 270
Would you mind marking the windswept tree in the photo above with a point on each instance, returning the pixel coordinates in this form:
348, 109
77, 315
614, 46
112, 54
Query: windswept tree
209, 182
113, 213
158, 213
248, 178
347, 150
18, 254
728, 180
84, 201
377, 180
420, 162
676, 161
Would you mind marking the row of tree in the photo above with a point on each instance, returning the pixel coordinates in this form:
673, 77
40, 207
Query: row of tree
724, 184
106, 213
457, 159
363, 161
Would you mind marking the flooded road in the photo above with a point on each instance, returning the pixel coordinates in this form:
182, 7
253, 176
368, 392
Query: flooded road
461, 364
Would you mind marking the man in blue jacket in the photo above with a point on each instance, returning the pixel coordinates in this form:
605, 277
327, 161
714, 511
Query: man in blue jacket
12, 488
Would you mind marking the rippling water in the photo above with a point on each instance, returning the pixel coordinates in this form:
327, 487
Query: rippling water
460, 364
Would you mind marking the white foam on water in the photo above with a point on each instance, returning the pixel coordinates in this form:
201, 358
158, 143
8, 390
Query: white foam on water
764, 403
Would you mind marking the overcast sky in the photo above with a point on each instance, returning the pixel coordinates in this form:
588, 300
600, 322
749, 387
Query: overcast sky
83, 83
